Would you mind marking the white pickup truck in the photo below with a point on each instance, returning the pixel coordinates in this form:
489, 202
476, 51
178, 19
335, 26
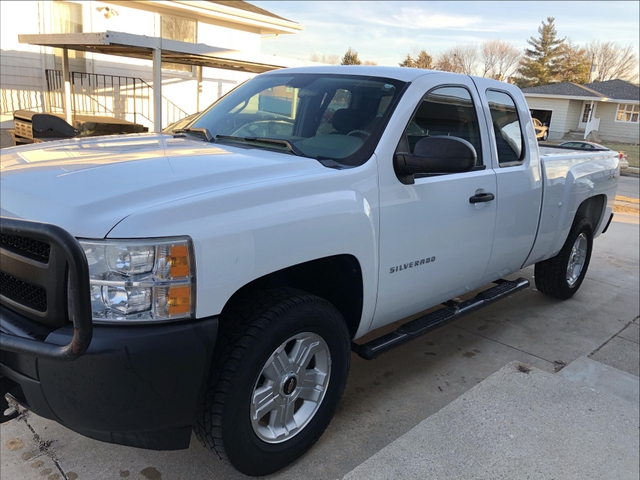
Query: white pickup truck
218, 276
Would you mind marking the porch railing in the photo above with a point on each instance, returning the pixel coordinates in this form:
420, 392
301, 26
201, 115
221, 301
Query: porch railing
128, 98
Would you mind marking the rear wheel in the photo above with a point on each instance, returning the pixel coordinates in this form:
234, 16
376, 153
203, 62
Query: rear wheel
280, 370
562, 275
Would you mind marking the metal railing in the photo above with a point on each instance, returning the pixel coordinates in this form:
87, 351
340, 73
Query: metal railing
111, 95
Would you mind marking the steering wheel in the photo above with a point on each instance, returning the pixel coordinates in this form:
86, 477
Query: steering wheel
363, 134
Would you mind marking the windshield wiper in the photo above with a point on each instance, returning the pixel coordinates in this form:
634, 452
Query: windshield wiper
269, 141
201, 131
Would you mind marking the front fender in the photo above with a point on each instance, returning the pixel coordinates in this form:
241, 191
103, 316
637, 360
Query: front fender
243, 233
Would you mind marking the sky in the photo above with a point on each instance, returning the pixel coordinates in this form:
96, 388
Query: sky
386, 31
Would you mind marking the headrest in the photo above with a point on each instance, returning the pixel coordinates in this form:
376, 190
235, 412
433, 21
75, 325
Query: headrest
345, 120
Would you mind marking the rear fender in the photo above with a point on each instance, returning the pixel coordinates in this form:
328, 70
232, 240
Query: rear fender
581, 185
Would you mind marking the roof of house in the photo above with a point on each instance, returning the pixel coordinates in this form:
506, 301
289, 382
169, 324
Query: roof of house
616, 89
247, 7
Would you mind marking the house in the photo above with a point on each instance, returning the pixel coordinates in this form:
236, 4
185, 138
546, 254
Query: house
121, 84
604, 110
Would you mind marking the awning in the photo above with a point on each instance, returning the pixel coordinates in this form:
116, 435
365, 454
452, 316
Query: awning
157, 50
142, 46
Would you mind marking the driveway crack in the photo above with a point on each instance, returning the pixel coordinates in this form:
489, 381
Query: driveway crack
505, 344
612, 337
44, 446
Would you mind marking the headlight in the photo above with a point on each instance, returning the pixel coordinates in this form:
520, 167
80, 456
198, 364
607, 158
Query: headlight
140, 281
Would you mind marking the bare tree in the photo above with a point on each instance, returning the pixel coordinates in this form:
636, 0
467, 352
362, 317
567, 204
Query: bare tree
500, 59
459, 59
369, 62
330, 58
447, 63
613, 60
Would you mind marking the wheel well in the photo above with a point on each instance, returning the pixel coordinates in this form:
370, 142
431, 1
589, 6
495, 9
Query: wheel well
337, 279
592, 209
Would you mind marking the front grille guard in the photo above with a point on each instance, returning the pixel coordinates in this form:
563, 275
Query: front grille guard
80, 308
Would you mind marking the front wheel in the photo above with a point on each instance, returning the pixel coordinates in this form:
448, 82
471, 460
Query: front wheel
276, 382
545, 135
562, 275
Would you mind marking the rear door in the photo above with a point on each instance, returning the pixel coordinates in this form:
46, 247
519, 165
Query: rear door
516, 162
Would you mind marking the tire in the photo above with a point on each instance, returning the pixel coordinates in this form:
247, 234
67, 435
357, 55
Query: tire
561, 276
254, 344
545, 135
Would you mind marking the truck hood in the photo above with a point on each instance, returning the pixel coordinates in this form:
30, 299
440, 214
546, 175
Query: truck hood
89, 185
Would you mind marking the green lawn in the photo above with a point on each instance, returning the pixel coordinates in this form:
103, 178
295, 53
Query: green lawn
633, 151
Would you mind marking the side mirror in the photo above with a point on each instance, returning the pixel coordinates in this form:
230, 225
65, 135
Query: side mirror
438, 154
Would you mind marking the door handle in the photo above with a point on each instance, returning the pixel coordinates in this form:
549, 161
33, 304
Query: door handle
482, 197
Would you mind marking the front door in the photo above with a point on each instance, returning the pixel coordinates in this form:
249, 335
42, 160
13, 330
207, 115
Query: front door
434, 243
585, 115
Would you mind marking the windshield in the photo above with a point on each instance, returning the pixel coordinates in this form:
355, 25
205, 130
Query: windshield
327, 117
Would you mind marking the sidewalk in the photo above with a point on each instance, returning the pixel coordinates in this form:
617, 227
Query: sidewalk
522, 422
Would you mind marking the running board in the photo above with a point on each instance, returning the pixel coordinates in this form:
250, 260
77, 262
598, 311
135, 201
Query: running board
433, 320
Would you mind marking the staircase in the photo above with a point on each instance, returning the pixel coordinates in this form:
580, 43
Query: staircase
127, 98
574, 135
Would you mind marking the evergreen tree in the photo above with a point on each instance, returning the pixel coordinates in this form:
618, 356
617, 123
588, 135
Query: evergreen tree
422, 60
407, 62
351, 58
541, 64
574, 64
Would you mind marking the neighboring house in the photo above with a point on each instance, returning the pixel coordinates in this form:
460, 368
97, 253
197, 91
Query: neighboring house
609, 109
30, 74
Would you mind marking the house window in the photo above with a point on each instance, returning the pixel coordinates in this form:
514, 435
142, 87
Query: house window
627, 113
67, 18
180, 29
587, 112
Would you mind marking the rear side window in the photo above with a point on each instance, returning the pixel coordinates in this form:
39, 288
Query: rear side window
446, 111
506, 128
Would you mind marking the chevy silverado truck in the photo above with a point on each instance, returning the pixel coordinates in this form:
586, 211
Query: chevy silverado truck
218, 277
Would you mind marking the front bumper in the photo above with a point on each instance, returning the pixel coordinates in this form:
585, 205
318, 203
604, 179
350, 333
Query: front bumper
135, 385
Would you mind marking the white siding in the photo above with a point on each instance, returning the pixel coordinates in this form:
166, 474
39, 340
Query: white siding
560, 108
22, 76
231, 38
615, 131
21, 82
573, 114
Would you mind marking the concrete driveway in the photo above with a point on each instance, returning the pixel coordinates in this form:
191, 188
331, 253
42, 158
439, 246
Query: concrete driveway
387, 397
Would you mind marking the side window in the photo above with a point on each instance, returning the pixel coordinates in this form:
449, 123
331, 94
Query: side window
445, 111
506, 128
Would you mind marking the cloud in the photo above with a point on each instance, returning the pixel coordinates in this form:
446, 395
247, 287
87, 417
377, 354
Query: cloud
387, 31
416, 18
